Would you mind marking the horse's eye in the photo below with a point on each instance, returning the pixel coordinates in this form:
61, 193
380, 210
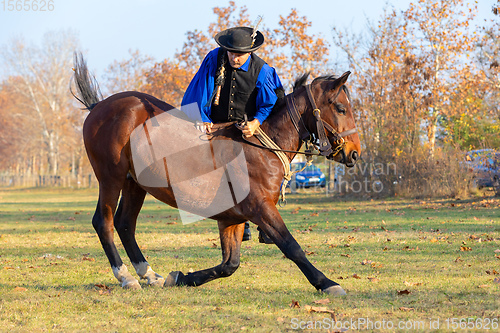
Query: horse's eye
340, 108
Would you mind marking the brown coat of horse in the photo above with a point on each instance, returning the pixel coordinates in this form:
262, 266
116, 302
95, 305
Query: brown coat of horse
107, 131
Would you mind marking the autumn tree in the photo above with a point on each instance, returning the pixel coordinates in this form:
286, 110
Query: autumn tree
39, 78
441, 38
294, 51
128, 74
488, 60
289, 48
412, 75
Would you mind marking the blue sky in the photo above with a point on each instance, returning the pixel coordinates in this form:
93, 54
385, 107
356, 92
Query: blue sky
108, 29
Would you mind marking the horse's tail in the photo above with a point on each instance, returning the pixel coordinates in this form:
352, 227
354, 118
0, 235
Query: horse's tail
86, 84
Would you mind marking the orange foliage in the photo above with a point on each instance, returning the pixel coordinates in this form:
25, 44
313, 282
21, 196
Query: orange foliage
289, 49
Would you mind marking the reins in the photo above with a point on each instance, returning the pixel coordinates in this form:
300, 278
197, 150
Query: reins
324, 146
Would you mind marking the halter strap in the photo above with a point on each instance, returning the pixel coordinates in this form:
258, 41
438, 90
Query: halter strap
324, 145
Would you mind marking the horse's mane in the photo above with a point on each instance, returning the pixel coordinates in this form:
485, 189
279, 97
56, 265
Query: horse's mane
301, 82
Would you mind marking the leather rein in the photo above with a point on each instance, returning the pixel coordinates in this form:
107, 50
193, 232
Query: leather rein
324, 146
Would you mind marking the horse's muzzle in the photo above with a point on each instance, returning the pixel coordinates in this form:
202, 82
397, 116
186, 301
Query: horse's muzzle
349, 159
352, 158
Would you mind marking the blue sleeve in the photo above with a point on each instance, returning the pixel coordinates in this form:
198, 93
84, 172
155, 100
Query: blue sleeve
201, 87
267, 82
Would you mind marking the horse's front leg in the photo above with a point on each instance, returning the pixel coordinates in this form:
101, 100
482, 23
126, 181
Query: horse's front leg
272, 223
231, 236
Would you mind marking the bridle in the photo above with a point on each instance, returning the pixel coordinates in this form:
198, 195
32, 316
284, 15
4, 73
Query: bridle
323, 144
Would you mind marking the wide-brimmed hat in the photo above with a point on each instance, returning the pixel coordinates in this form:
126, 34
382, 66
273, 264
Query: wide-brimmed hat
239, 39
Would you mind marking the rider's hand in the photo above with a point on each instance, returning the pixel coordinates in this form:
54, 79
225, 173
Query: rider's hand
249, 129
204, 127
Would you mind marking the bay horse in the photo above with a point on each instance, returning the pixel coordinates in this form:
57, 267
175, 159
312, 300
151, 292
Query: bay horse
107, 134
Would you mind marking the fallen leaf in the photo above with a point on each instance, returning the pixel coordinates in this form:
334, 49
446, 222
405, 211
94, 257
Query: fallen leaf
465, 248
322, 301
20, 289
373, 279
458, 260
346, 255
319, 309
356, 276
484, 286
214, 245
308, 253
366, 262
86, 256
314, 214
492, 272
404, 292
406, 309
102, 286
294, 304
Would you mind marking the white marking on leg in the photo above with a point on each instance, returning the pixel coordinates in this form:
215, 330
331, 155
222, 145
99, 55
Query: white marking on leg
145, 272
141, 268
126, 279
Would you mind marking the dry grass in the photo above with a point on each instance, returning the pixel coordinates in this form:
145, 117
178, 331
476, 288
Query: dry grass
401, 261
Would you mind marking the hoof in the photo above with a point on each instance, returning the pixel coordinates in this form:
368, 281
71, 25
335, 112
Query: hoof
157, 283
133, 285
335, 291
171, 279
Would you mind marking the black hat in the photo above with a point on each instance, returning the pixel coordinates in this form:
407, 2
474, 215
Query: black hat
239, 39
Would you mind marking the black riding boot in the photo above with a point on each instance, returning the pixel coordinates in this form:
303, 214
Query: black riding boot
247, 234
264, 238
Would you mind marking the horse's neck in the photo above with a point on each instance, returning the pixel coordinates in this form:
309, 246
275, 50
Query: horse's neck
280, 129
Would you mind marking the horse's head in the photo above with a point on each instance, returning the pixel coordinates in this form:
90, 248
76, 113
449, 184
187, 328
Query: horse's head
328, 116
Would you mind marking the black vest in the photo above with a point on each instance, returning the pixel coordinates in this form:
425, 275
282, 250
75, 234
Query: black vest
239, 93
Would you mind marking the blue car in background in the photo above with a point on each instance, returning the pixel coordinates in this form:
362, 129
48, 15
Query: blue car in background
309, 177
485, 167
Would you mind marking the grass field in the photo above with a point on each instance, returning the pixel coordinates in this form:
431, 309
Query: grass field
407, 265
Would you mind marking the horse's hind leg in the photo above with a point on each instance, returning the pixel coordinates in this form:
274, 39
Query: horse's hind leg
231, 236
103, 225
125, 222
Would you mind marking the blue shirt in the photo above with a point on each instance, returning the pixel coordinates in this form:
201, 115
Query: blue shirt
202, 86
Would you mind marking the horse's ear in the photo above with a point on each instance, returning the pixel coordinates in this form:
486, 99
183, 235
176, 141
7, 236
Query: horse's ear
343, 78
337, 83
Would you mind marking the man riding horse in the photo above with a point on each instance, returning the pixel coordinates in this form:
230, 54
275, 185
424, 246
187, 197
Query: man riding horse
233, 82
